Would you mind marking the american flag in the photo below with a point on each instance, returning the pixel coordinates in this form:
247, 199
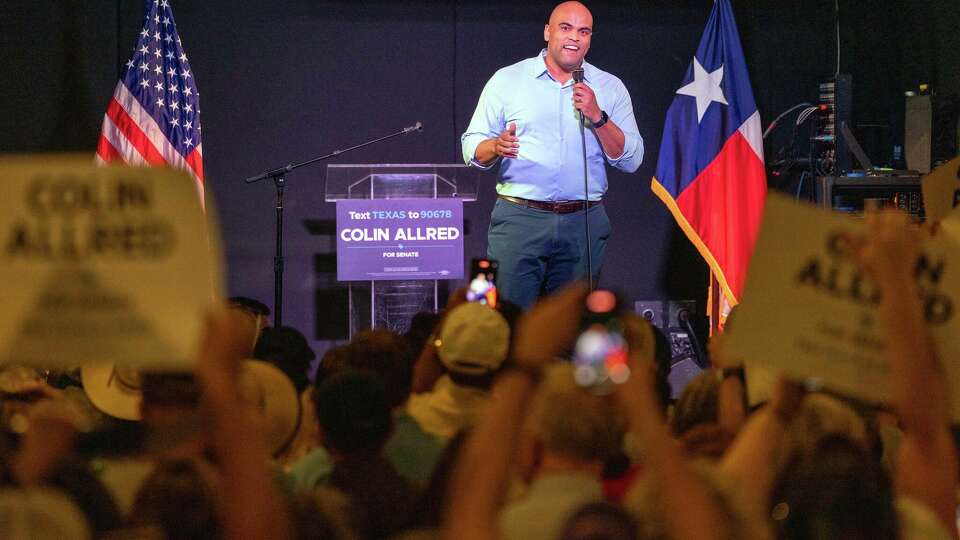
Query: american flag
153, 119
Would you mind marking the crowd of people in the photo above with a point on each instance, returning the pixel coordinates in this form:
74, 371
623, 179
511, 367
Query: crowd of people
472, 426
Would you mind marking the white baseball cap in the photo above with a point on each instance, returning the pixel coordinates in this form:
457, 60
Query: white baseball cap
474, 339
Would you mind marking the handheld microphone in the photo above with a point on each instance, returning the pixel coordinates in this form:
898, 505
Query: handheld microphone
578, 78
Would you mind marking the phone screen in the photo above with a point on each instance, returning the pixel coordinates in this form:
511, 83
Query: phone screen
600, 355
483, 282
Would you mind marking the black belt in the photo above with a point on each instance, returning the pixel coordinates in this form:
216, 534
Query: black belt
557, 207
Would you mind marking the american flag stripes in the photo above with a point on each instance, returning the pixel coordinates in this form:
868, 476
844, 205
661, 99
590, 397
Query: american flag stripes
153, 119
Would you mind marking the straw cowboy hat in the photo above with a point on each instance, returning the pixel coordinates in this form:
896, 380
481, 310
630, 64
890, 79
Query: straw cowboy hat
275, 400
115, 390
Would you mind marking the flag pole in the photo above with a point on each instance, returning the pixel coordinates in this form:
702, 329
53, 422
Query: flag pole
714, 304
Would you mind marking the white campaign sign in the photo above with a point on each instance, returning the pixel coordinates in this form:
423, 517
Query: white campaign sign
808, 311
941, 190
103, 264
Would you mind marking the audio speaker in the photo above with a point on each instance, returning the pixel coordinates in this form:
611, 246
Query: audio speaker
918, 133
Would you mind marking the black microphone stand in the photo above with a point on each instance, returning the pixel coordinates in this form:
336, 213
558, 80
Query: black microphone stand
578, 78
277, 175
586, 205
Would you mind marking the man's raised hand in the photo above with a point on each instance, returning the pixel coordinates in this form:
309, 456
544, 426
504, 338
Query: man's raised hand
585, 101
508, 144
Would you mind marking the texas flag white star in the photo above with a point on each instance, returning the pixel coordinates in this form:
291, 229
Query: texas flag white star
705, 87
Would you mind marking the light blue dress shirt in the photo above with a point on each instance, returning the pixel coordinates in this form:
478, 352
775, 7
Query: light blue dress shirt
549, 166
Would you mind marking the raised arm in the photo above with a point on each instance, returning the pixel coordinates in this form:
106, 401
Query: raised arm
618, 136
480, 478
690, 511
731, 396
252, 506
487, 138
428, 368
927, 464
506, 144
751, 458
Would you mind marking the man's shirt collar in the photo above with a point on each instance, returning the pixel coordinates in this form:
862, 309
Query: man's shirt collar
538, 68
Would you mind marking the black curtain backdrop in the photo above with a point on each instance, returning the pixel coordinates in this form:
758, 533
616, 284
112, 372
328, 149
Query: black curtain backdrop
285, 80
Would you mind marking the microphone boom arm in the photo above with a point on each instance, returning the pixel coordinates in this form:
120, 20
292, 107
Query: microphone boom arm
280, 171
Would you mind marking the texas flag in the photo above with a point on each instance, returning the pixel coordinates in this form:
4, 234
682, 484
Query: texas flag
710, 172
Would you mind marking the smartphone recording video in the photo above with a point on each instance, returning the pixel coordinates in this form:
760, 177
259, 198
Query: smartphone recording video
483, 283
600, 356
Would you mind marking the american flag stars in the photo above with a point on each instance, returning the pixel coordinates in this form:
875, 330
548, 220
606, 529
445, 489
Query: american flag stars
159, 76
153, 118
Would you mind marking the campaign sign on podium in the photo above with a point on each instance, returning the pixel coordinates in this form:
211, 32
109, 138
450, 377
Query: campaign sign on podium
391, 239
394, 261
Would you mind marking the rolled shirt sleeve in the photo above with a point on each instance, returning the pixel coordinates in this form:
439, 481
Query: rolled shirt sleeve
487, 122
622, 115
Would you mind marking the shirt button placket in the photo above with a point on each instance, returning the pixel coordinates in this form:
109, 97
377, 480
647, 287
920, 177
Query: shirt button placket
560, 120
560, 113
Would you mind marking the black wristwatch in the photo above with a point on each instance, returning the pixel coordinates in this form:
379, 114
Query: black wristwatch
603, 120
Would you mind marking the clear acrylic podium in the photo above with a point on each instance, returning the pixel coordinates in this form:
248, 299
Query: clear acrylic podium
391, 304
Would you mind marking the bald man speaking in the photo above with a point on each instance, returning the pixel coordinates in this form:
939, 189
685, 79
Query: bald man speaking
527, 120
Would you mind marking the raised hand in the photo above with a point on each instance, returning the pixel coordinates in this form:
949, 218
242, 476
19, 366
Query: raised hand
223, 347
508, 144
585, 101
891, 247
550, 327
53, 426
